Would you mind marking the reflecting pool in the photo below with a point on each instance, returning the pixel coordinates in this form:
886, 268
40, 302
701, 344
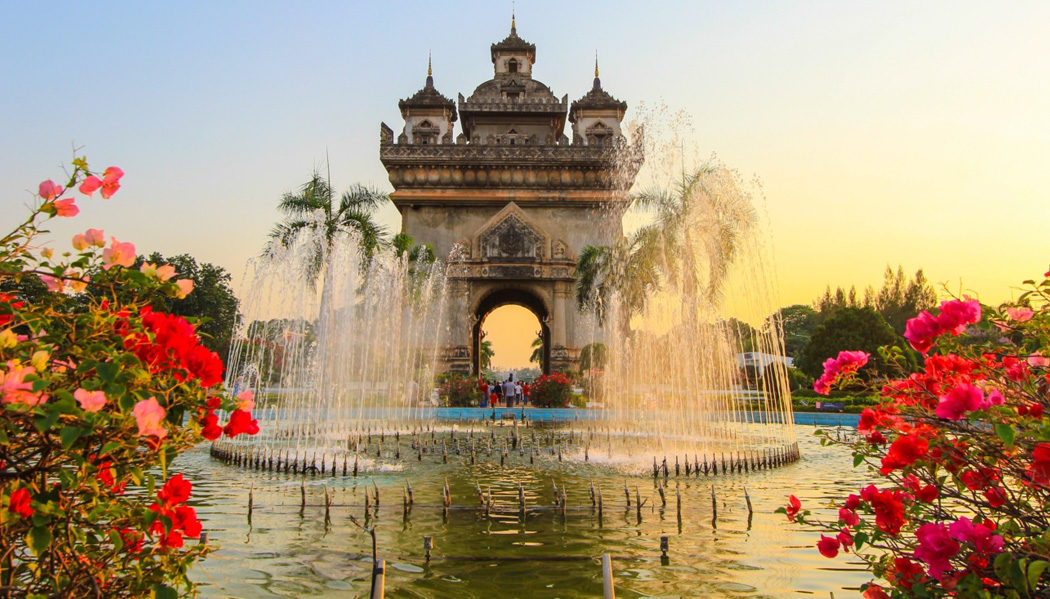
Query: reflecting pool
286, 549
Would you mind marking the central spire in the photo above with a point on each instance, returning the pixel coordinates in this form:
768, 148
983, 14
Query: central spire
513, 27
430, 72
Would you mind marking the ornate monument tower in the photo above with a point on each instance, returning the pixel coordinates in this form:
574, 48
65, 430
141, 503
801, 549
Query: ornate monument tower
510, 199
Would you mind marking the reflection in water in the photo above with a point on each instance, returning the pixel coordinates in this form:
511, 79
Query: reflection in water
549, 550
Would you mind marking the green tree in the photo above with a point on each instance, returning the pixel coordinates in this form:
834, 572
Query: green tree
628, 271
700, 224
486, 355
593, 355
537, 351
849, 329
798, 322
314, 208
212, 300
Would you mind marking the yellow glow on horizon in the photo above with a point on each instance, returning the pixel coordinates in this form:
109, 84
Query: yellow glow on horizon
511, 329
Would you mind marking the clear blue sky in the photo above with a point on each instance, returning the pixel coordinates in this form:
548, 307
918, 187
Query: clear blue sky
913, 133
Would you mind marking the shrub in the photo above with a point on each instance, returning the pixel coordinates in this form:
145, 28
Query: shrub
458, 390
551, 391
100, 393
963, 448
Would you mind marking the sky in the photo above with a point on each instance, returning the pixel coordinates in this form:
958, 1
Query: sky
882, 133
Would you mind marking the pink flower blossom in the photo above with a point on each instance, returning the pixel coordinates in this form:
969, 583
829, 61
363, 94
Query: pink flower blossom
91, 237
90, 401
185, 287
979, 535
54, 284
1019, 313
1038, 360
161, 273
66, 208
90, 185
246, 400
954, 317
935, 549
111, 181
14, 387
961, 399
148, 415
49, 190
845, 364
118, 254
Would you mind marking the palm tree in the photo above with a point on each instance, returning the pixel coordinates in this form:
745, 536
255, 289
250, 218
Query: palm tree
706, 213
537, 351
486, 355
313, 207
628, 271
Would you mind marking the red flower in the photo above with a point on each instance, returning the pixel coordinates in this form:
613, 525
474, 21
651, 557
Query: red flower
19, 503
874, 591
1039, 470
186, 520
904, 452
889, 511
793, 507
132, 539
241, 422
210, 428
175, 491
929, 493
995, 497
828, 546
848, 517
845, 538
172, 539
905, 572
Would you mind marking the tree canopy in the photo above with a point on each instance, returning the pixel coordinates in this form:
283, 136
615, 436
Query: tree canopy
849, 329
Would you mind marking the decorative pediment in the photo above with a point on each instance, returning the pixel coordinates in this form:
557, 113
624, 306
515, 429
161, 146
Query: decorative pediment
510, 237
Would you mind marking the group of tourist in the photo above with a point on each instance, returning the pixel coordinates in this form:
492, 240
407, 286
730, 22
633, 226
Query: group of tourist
508, 393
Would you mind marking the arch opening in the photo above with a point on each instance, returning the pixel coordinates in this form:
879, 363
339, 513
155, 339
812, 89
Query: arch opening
516, 297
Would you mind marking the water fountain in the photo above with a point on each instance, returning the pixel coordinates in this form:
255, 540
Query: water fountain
344, 366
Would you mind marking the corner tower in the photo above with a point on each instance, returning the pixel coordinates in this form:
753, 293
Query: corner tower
512, 201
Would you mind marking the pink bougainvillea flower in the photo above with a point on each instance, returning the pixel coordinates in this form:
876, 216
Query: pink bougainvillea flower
828, 546
957, 314
979, 535
960, 400
90, 401
185, 288
1020, 313
888, 508
90, 185
921, 331
848, 517
111, 181
14, 387
118, 254
148, 415
246, 400
53, 284
66, 208
161, 273
19, 503
95, 237
1038, 360
936, 548
49, 190
80, 242
76, 281
841, 366
793, 507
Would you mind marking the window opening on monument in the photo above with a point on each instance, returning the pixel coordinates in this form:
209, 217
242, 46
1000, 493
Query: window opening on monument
512, 332
512, 66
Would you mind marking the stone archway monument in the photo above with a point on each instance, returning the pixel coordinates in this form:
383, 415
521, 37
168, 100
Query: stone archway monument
511, 199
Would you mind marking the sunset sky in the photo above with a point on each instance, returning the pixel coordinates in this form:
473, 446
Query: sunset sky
883, 133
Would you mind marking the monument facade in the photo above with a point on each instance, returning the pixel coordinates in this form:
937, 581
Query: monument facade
511, 199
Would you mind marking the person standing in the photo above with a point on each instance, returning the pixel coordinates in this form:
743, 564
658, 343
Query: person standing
517, 393
508, 392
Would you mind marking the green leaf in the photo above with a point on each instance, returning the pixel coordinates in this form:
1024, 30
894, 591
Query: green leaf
1035, 570
108, 448
107, 371
1006, 433
859, 539
38, 538
69, 435
858, 459
163, 591
46, 421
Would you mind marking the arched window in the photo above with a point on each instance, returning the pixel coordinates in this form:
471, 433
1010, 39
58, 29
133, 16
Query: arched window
512, 66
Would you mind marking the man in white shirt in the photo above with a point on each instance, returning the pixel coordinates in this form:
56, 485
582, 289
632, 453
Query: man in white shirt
508, 392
